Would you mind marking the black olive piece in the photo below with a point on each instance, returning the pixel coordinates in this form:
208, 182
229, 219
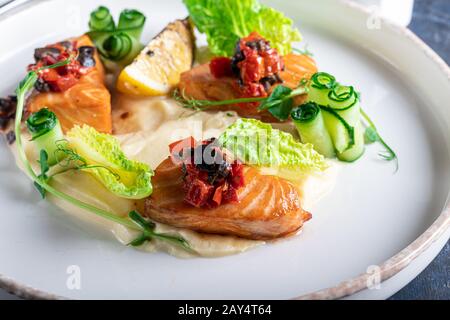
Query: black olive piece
8, 106
5, 105
263, 45
237, 57
42, 86
67, 45
237, 46
271, 80
252, 45
219, 172
260, 45
224, 169
234, 66
150, 53
7, 110
86, 56
40, 53
266, 85
210, 141
278, 78
208, 158
87, 62
11, 137
3, 123
87, 51
184, 170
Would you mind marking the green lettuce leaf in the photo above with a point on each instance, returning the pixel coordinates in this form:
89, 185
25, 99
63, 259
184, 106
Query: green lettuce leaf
120, 175
257, 144
226, 21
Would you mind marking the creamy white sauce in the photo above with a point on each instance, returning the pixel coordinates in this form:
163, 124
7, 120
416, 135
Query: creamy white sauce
145, 127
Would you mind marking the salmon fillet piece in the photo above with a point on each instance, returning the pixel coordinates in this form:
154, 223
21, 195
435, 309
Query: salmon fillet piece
198, 83
269, 206
87, 102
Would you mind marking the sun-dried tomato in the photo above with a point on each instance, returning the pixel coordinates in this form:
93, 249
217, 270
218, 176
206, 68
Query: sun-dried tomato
209, 180
62, 78
221, 67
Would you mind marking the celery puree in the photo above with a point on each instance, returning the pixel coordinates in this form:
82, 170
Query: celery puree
145, 127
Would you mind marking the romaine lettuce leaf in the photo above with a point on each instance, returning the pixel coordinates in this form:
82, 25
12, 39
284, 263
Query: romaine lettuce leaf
120, 175
257, 144
226, 21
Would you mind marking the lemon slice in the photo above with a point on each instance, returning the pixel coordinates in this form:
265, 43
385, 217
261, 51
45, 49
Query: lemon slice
157, 69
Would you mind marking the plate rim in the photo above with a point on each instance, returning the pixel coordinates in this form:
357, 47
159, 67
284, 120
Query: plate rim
388, 268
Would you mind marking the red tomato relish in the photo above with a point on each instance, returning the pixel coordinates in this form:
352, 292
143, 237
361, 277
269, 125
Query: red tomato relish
62, 78
209, 180
221, 67
255, 64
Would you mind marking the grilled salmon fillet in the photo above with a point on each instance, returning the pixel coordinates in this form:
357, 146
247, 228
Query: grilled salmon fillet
87, 102
269, 206
200, 84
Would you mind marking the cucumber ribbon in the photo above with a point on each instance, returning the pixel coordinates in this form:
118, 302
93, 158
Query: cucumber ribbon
120, 43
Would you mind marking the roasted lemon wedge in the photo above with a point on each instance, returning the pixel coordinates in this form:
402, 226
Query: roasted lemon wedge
157, 69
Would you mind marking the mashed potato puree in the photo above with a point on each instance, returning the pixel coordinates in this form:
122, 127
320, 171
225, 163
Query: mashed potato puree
145, 127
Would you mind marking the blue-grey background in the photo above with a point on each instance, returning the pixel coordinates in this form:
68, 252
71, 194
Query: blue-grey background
431, 22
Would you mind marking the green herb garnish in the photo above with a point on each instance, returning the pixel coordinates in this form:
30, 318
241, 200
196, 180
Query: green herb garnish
201, 105
305, 51
43, 178
279, 103
372, 135
148, 233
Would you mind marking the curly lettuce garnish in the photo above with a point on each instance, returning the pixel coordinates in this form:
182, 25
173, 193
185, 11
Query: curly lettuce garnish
257, 144
226, 21
120, 175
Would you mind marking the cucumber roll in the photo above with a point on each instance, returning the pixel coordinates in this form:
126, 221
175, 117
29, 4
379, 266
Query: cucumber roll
345, 102
45, 132
341, 114
355, 152
320, 86
311, 128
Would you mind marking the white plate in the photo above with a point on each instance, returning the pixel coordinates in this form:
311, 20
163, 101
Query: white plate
372, 215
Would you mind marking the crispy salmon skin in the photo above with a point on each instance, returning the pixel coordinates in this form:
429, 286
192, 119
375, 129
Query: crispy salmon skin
198, 83
269, 206
87, 102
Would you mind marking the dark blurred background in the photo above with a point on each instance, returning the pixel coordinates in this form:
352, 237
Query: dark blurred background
431, 22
